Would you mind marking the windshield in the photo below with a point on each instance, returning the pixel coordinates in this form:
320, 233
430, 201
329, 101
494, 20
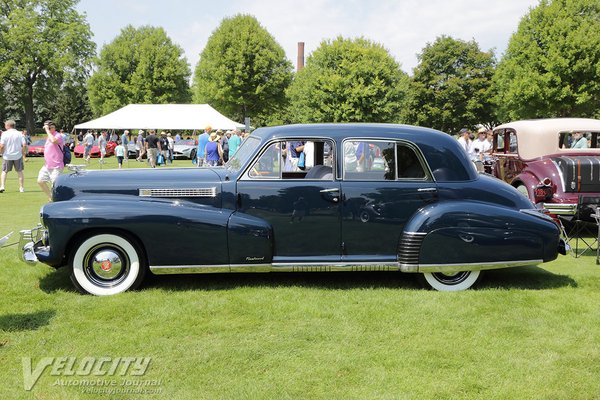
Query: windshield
243, 154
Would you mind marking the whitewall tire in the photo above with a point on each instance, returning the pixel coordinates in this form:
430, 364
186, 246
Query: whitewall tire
451, 282
107, 264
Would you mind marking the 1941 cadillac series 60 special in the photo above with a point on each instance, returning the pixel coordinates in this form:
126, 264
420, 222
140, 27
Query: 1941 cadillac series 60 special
370, 197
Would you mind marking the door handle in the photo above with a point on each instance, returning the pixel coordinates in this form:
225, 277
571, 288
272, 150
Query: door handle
334, 192
426, 190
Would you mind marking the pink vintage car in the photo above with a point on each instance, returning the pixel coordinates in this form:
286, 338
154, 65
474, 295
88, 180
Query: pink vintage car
554, 162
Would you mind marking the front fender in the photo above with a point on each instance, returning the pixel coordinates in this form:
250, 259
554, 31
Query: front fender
461, 232
528, 180
172, 232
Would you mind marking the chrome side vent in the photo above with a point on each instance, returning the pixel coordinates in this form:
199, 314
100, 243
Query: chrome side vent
410, 247
200, 192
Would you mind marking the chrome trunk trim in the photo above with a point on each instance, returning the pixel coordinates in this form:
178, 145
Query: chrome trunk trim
191, 192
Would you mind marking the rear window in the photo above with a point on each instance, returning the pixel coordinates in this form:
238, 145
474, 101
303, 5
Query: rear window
579, 140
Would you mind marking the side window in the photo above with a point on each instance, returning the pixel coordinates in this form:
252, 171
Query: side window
268, 166
499, 141
512, 143
369, 160
409, 166
295, 159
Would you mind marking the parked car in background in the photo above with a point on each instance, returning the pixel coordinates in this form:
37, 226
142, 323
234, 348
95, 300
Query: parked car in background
185, 148
554, 162
425, 211
36, 148
95, 152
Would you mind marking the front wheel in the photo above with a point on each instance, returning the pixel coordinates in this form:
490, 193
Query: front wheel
451, 282
107, 264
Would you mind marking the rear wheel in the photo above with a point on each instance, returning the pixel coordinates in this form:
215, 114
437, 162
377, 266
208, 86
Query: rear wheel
451, 282
107, 264
193, 154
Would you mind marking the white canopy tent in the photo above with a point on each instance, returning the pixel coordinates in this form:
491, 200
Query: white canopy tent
162, 116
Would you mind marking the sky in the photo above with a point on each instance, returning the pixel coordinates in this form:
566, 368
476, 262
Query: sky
403, 27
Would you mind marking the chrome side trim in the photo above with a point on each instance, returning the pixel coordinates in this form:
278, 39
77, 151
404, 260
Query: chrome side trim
190, 192
453, 268
335, 267
275, 267
189, 269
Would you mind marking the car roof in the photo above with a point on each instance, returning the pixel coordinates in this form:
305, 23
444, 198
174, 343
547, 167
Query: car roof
340, 131
539, 137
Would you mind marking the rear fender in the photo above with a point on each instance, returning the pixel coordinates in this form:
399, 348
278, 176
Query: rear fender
460, 232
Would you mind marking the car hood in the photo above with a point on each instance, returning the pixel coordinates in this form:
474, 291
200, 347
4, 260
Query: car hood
199, 185
184, 146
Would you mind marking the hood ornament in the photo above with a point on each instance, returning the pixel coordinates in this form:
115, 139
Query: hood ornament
76, 168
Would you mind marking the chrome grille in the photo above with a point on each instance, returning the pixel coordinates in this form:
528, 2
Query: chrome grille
410, 247
199, 192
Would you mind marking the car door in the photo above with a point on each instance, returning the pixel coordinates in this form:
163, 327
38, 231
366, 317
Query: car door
380, 194
302, 208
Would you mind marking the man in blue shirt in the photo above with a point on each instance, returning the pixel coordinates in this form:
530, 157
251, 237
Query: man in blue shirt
292, 152
202, 141
234, 142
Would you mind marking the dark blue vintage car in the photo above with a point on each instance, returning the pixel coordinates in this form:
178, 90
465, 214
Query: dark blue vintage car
356, 197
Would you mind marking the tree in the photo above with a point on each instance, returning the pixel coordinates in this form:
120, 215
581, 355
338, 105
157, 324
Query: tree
242, 71
551, 67
141, 65
451, 86
348, 80
42, 44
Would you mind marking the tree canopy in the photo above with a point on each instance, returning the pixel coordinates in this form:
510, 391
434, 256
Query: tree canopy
142, 66
451, 86
552, 64
43, 44
348, 80
242, 71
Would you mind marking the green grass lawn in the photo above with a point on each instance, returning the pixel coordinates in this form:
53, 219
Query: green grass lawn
525, 333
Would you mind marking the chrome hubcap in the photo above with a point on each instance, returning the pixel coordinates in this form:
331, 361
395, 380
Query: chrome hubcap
106, 265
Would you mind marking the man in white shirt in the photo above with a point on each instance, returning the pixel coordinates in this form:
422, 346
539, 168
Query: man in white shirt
12, 148
465, 141
480, 145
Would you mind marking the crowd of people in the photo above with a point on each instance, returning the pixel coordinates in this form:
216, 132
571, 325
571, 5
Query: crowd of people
214, 148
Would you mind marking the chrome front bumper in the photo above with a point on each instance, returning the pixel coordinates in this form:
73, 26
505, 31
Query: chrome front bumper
29, 241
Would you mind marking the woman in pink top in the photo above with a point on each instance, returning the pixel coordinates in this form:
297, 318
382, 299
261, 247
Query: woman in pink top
53, 157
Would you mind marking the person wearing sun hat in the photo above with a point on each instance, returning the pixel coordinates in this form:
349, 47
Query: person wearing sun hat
214, 151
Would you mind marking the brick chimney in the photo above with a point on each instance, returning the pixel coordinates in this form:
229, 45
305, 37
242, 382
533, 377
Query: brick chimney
300, 64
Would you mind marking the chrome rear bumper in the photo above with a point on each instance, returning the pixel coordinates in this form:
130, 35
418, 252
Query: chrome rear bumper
561, 208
